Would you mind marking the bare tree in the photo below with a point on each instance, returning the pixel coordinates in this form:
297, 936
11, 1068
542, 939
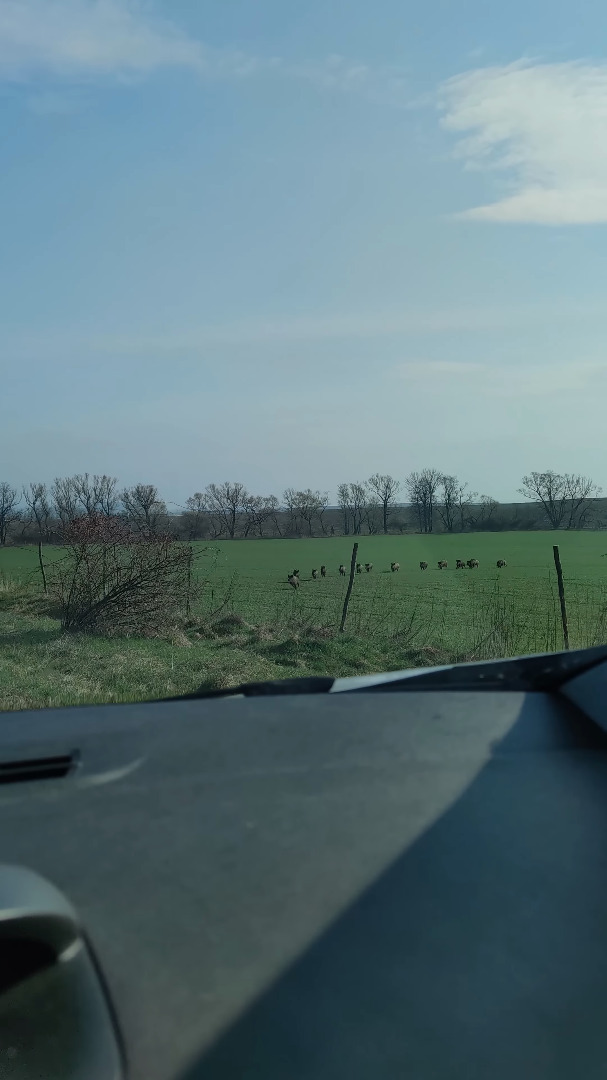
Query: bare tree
563, 497
39, 511
488, 508
422, 488
310, 505
291, 501
343, 497
106, 495
447, 501
386, 489
196, 506
257, 510
9, 509
65, 502
465, 501
143, 507
579, 490
353, 499
373, 516
275, 515
227, 502
84, 495
37, 501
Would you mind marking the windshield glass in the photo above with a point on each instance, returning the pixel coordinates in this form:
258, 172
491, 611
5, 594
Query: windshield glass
302, 327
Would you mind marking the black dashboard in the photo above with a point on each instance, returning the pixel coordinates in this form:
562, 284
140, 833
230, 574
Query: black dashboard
325, 886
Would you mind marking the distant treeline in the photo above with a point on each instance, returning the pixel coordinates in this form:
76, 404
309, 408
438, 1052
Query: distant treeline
427, 501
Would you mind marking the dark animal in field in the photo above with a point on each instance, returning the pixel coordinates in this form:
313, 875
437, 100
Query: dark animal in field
473, 564
342, 569
443, 565
394, 566
293, 580
323, 571
315, 574
368, 567
460, 564
500, 563
296, 573
423, 565
359, 568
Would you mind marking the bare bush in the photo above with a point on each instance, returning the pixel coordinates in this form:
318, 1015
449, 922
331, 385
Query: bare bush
118, 582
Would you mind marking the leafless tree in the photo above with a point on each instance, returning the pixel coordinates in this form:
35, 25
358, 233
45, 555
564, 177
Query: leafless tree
422, 488
143, 508
311, 504
372, 515
194, 517
257, 510
227, 502
563, 497
39, 511
353, 499
84, 495
386, 489
106, 495
343, 496
291, 501
275, 514
447, 501
37, 501
65, 502
579, 491
9, 509
488, 508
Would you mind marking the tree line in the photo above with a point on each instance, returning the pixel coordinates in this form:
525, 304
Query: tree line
426, 501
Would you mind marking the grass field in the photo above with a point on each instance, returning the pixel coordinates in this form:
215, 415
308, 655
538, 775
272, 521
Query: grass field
261, 628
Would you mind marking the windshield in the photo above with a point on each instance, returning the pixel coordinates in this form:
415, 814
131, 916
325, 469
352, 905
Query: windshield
302, 327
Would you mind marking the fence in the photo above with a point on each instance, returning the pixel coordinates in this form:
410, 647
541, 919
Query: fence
464, 615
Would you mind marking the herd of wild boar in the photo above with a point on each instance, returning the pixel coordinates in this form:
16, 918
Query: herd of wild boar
460, 564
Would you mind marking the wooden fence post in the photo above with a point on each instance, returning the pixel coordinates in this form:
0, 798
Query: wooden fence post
41, 565
349, 589
559, 576
187, 603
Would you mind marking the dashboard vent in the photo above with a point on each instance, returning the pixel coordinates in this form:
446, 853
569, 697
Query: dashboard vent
44, 768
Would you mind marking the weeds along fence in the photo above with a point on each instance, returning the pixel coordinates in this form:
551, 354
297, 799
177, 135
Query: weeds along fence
469, 617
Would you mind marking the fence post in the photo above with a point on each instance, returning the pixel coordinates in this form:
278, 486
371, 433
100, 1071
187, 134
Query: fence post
41, 565
559, 577
187, 603
349, 589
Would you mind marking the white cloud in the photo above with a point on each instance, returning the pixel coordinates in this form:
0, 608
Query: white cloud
545, 127
507, 381
76, 38
84, 40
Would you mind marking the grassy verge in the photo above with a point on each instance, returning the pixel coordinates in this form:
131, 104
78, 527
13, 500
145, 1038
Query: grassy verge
265, 636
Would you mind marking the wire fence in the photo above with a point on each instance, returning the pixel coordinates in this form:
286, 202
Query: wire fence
469, 615
477, 618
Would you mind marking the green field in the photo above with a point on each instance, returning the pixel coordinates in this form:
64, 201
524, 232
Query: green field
249, 623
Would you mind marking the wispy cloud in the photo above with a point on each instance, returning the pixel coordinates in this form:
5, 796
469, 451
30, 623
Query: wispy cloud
511, 380
544, 126
76, 38
75, 41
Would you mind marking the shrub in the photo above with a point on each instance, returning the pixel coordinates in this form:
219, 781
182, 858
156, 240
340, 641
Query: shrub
113, 581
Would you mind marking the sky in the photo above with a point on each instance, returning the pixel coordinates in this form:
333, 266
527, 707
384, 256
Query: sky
297, 244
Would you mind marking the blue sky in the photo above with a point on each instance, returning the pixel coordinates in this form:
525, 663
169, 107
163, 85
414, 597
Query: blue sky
295, 244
